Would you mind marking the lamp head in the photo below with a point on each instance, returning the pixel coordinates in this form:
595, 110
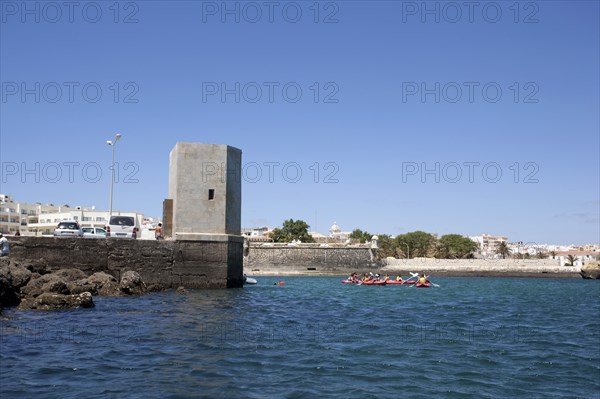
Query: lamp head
108, 142
117, 137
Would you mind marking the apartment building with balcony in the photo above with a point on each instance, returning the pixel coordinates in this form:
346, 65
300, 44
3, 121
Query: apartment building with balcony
39, 219
488, 244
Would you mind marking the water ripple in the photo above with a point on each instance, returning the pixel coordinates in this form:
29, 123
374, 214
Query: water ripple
315, 337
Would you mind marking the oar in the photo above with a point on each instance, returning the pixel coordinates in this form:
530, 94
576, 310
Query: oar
434, 284
412, 275
427, 278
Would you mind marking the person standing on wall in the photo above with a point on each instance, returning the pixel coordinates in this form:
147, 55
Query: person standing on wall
158, 234
4, 246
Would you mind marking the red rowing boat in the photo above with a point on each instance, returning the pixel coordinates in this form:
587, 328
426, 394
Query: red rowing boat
365, 282
402, 282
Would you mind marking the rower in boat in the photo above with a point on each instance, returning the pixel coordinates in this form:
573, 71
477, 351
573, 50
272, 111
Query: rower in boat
423, 279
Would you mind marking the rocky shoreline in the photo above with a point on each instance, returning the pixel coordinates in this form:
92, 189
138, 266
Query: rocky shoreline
31, 285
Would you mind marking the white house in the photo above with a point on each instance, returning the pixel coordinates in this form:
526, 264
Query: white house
580, 257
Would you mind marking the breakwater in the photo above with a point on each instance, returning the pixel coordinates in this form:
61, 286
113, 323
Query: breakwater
306, 259
314, 259
170, 264
481, 267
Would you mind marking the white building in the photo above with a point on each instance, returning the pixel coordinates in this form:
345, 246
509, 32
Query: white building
488, 244
17, 216
38, 219
580, 258
337, 234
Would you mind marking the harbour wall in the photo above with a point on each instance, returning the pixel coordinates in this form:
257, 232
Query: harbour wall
215, 263
313, 259
306, 259
221, 262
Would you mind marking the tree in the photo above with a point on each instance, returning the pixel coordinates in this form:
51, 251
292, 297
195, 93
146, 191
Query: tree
571, 259
362, 236
386, 246
455, 246
292, 230
414, 244
541, 255
503, 249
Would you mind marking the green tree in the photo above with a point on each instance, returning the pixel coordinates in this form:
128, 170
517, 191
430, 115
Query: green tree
571, 259
414, 244
503, 249
386, 246
292, 230
362, 236
455, 246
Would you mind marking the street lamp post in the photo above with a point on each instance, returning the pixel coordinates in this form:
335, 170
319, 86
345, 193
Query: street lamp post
112, 167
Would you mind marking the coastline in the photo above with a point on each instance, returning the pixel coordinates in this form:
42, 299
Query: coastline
316, 260
406, 273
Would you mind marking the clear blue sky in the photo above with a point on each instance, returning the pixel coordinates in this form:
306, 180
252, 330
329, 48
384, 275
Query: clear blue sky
372, 128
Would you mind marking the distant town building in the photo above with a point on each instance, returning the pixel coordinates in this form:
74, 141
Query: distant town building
488, 244
336, 233
257, 234
580, 257
38, 219
18, 216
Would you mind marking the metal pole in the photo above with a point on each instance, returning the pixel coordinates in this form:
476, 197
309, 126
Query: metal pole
112, 178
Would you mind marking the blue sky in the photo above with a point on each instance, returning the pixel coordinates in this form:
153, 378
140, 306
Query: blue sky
410, 115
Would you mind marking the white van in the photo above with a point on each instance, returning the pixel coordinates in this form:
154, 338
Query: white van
122, 227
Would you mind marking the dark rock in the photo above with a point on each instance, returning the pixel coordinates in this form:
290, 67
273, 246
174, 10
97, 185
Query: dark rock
591, 270
82, 285
56, 286
132, 284
105, 284
18, 275
155, 288
70, 275
12, 278
39, 266
8, 295
35, 287
49, 301
181, 290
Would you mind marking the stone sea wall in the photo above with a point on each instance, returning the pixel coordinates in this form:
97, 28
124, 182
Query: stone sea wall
170, 264
218, 264
314, 259
306, 259
481, 267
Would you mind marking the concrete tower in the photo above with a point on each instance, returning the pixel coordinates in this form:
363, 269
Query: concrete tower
206, 188
203, 215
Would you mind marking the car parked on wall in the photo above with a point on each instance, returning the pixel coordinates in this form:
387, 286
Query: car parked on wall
68, 228
122, 227
94, 232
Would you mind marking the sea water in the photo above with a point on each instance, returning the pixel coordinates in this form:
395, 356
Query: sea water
315, 337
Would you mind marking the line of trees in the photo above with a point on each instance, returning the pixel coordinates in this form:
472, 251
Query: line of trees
420, 244
416, 244
409, 245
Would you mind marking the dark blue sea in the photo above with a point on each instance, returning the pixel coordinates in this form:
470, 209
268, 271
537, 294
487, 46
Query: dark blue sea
315, 337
